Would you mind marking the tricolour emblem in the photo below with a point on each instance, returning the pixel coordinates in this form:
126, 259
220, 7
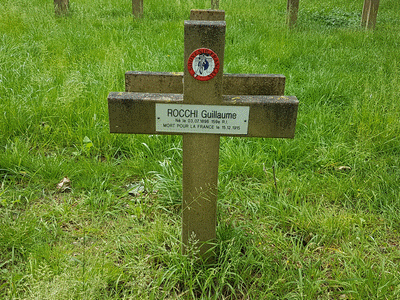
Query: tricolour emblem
203, 64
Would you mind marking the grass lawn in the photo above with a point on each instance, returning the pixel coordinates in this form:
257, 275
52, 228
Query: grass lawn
330, 229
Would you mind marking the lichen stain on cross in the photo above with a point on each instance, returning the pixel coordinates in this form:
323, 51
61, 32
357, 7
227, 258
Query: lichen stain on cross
208, 97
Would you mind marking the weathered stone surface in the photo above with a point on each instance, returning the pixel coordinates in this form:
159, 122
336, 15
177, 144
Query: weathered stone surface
154, 82
233, 84
207, 15
270, 116
210, 35
369, 13
292, 11
200, 162
137, 8
61, 6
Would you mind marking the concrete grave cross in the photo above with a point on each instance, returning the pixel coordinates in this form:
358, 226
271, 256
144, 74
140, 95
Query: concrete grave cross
202, 114
61, 7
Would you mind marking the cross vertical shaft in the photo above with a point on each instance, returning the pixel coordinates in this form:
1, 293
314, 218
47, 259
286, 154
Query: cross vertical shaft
292, 10
201, 151
137, 8
61, 7
369, 13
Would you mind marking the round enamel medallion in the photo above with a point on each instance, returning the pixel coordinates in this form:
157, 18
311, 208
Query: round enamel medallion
203, 64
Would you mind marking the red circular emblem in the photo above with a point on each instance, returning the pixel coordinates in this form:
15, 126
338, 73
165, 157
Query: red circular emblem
203, 64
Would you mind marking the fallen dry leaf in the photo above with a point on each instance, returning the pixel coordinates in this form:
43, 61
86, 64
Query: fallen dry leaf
344, 168
64, 185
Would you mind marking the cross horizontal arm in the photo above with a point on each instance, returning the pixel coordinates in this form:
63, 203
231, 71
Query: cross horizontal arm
233, 84
269, 116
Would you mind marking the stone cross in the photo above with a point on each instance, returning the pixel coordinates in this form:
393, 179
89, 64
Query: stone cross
369, 14
61, 7
154, 104
137, 8
292, 10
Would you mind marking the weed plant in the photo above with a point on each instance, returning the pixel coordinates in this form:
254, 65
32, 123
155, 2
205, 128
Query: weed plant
329, 229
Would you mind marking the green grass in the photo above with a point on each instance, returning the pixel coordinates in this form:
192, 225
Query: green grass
325, 232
